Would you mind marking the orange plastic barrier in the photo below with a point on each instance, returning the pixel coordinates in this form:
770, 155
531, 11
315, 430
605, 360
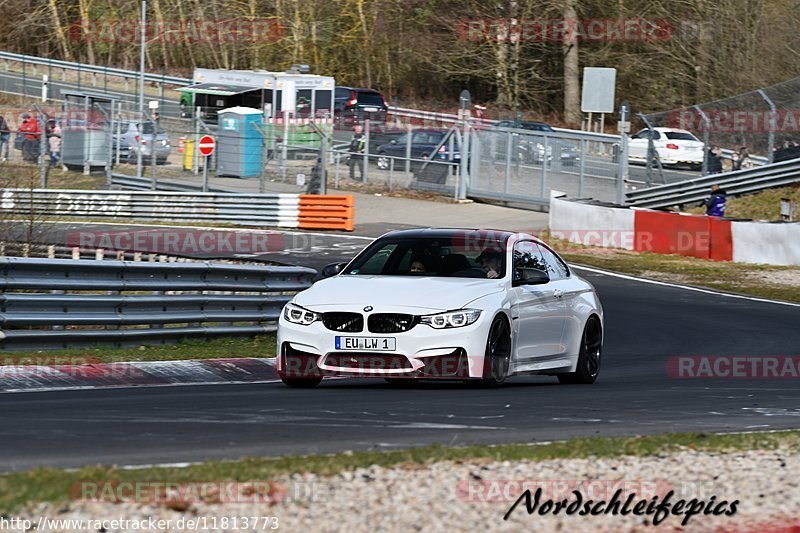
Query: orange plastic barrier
327, 212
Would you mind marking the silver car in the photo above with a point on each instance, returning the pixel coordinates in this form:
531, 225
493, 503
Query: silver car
127, 142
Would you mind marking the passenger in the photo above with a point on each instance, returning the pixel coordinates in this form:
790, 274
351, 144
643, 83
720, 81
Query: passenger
491, 261
417, 266
421, 264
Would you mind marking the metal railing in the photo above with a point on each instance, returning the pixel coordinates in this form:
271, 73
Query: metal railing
243, 209
734, 183
94, 69
67, 303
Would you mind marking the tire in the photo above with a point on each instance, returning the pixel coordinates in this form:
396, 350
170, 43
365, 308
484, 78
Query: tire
383, 161
589, 358
301, 383
498, 352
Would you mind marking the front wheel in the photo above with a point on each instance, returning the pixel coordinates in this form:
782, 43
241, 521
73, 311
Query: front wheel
301, 383
497, 358
383, 162
589, 357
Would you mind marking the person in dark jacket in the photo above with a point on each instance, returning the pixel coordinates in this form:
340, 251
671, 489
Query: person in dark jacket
714, 160
356, 153
5, 137
715, 203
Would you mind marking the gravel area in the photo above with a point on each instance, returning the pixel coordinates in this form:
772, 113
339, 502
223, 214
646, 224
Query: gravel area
452, 496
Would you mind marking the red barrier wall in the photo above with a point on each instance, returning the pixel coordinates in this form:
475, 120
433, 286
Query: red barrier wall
689, 235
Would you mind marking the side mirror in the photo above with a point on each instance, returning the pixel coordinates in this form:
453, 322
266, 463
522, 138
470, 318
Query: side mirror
332, 269
529, 276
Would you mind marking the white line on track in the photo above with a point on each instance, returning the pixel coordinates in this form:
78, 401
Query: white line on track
685, 287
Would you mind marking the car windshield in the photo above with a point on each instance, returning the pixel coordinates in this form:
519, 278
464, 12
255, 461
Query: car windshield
459, 256
680, 136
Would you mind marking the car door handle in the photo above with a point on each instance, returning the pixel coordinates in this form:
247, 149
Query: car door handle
558, 293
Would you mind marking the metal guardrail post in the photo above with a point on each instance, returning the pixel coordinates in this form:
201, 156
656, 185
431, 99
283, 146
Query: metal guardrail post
772, 125
153, 157
622, 162
652, 153
365, 160
581, 176
42, 118
409, 133
509, 138
544, 166
706, 142
195, 150
465, 151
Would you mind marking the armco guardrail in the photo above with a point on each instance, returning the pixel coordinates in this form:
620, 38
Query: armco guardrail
64, 306
94, 69
738, 182
276, 210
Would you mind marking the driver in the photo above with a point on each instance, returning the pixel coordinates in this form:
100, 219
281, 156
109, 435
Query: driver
491, 261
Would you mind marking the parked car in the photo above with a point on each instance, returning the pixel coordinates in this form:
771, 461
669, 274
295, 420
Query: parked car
674, 147
354, 104
533, 148
426, 144
129, 141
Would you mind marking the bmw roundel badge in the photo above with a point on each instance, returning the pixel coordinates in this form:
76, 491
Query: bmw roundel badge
367, 309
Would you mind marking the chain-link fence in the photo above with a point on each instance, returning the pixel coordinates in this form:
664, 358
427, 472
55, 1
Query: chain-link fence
522, 165
766, 122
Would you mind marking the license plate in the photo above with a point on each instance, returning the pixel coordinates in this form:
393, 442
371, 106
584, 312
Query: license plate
375, 344
370, 109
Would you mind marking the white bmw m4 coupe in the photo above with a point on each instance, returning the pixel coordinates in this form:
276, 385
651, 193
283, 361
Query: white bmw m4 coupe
459, 304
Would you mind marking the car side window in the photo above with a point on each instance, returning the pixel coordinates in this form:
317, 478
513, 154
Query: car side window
377, 262
555, 267
527, 255
643, 135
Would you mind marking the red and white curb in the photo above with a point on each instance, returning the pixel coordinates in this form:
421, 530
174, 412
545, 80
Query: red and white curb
21, 378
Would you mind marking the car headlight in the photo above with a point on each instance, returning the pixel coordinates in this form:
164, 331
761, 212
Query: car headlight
298, 315
451, 319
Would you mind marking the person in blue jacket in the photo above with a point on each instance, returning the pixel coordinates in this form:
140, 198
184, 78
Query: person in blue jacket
715, 203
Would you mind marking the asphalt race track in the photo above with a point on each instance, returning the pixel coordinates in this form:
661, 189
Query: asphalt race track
646, 324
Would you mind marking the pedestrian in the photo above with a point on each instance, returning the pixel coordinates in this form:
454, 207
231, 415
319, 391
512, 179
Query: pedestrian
714, 160
356, 153
735, 163
5, 138
55, 145
744, 158
715, 203
32, 135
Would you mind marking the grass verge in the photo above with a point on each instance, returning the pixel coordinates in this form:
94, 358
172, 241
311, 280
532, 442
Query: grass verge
765, 205
231, 347
765, 281
20, 489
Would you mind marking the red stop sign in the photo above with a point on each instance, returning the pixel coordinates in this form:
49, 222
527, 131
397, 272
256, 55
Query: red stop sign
206, 145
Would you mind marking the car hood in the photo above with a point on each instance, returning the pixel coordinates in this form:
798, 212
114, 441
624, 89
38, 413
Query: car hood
417, 294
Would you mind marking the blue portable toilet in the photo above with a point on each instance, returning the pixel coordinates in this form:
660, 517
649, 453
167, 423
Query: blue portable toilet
239, 142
